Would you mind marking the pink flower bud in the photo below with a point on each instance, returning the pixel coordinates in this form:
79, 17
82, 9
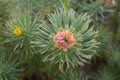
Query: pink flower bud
64, 40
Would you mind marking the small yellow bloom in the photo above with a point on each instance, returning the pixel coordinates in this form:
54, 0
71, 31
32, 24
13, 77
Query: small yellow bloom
17, 31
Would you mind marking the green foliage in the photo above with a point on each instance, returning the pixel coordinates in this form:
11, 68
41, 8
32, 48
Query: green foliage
72, 75
104, 39
19, 32
36, 6
66, 5
103, 36
35, 66
9, 68
107, 73
111, 71
94, 8
115, 56
5, 9
117, 33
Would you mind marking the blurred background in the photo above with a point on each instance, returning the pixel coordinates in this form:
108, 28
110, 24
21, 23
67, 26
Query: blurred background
105, 15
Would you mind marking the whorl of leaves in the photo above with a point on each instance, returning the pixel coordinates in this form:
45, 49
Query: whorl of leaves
26, 27
79, 26
8, 68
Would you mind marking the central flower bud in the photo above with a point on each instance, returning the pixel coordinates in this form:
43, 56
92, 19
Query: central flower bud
64, 40
17, 31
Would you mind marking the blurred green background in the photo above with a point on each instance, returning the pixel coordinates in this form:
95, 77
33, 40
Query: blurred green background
103, 66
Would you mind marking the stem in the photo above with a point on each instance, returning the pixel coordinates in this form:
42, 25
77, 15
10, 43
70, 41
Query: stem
68, 66
66, 5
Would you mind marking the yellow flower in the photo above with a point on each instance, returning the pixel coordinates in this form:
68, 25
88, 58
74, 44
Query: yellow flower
17, 31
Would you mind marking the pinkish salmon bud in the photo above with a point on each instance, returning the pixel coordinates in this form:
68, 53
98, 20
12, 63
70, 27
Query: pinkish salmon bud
64, 40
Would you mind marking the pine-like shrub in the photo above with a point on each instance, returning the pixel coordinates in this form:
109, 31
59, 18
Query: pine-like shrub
67, 39
19, 32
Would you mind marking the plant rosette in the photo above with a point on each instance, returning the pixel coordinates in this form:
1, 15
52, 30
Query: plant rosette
19, 31
67, 39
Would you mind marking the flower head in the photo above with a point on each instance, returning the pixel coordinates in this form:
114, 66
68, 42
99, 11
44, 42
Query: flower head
17, 31
64, 40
